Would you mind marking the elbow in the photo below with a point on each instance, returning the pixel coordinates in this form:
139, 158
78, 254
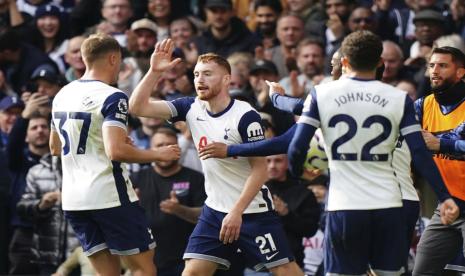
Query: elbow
115, 154
134, 106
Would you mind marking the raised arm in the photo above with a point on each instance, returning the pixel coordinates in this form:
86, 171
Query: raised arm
306, 127
282, 102
160, 61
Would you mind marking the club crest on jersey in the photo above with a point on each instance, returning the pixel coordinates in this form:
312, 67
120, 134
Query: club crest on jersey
226, 133
123, 106
181, 188
255, 132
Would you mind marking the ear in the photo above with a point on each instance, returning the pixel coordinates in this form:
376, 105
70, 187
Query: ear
227, 79
380, 63
460, 73
112, 58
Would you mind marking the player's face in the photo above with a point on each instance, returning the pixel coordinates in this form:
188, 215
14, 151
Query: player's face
336, 66
161, 140
38, 133
209, 80
116, 65
277, 167
443, 71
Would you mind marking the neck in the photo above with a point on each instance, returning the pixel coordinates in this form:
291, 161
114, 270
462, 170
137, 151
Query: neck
119, 28
220, 34
98, 74
163, 22
366, 75
48, 44
167, 172
451, 95
287, 50
41, 151
219, 102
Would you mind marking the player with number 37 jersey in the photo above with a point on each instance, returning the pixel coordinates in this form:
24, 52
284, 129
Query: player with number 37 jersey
95, 105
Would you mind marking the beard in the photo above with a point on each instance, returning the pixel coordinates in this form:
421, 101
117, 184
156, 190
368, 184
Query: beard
446, 84
209, 94
166, 165
267, 29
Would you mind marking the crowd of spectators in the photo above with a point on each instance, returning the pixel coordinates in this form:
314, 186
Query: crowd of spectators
287, 41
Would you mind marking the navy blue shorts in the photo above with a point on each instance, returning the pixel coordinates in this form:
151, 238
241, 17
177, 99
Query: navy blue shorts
262, 240
123, 230
356, 240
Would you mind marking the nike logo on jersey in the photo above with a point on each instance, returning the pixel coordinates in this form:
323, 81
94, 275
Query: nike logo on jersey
200, 119
271, 256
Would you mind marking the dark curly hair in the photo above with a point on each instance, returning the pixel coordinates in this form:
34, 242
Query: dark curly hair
363, 50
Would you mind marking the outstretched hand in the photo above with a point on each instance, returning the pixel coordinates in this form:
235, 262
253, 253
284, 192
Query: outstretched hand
168, 153
275, 88
160, 61
213, 150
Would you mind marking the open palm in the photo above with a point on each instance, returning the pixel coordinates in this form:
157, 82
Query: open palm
160, 60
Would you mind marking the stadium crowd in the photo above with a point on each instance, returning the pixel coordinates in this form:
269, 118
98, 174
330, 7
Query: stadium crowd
292, 42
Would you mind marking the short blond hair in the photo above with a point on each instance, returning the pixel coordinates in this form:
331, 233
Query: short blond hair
98, 45
211, 57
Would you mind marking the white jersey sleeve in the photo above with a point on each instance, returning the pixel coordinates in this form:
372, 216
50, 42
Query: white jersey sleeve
90, 179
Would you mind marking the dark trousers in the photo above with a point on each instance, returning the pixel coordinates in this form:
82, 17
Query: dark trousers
20, 253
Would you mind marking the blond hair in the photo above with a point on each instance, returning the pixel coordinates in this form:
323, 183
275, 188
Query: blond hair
97, 46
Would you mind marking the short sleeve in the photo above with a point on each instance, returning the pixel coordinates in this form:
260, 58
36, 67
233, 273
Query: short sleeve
310, 113
179, 108
115, 110
250, 127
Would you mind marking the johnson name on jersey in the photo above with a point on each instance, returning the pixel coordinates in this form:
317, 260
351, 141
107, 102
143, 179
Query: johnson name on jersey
361, 122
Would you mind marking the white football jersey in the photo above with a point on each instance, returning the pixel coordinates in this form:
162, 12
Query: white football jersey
360, 121
90, 179
224, 178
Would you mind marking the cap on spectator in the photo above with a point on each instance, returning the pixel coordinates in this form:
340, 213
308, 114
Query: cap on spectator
10, 102
227, 4
44, 10
263, 65
144, 23
46, 72
429, 15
